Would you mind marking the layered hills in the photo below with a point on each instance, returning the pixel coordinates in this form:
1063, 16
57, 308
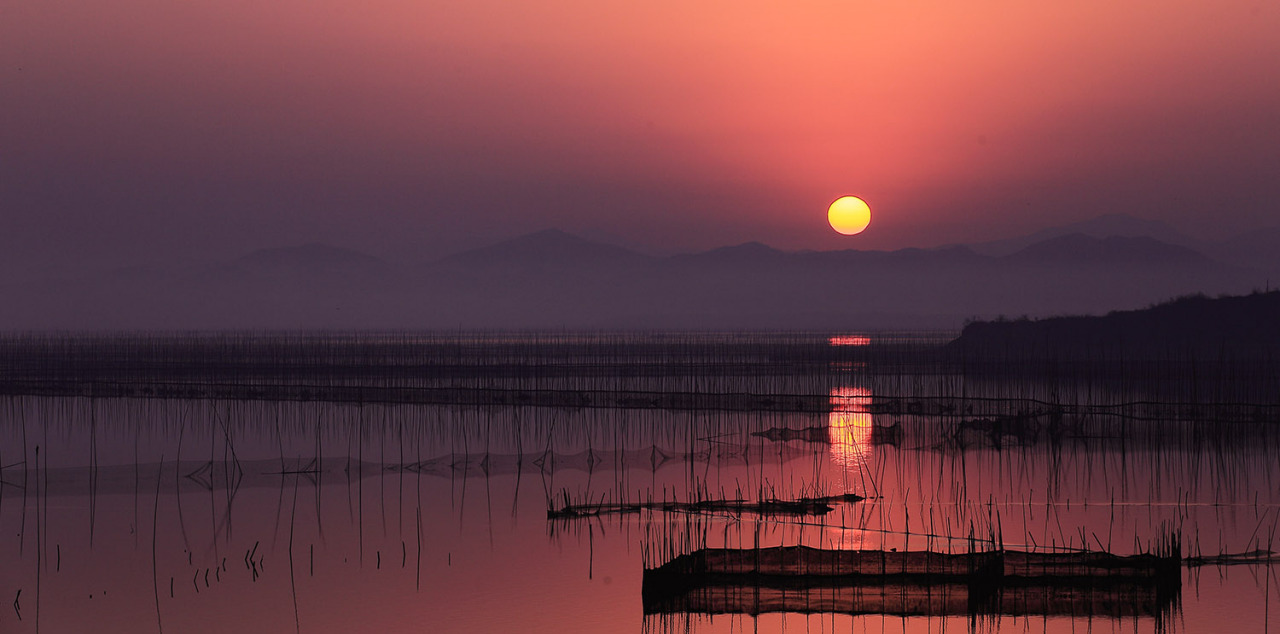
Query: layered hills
553, 279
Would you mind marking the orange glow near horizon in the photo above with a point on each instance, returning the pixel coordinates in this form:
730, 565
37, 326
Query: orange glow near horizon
850, 426
732, 117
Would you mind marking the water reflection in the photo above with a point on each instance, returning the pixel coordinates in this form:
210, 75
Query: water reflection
850, 427
207, 516
849, 340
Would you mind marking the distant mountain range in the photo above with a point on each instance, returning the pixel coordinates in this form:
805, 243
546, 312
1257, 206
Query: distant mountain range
552, 279
1104, 226
1258, 249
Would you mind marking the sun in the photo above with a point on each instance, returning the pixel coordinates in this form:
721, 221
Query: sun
849, 215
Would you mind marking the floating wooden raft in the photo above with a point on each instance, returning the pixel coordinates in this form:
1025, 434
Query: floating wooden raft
802, 506
804, 579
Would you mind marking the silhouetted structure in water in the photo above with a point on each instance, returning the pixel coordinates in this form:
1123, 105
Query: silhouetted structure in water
915, 583
801, 506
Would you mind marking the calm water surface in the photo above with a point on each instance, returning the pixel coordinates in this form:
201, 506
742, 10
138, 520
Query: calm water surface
178, 515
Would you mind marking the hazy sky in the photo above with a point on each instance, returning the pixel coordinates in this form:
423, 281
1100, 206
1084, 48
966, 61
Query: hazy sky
138, 130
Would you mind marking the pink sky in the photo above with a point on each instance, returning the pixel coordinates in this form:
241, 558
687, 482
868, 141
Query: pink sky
212, 127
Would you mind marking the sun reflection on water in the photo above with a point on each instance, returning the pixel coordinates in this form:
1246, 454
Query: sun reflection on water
849, 424
849, 340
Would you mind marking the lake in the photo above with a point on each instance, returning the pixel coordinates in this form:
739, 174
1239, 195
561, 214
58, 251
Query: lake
460, 482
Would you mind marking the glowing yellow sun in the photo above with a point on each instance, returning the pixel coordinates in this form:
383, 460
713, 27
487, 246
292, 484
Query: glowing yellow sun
849, 215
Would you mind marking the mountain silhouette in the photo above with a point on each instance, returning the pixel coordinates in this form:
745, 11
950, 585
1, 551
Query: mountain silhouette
553, 279
1258, 249
550, 248
1112, 225
310, 256
1078, 249
744, 251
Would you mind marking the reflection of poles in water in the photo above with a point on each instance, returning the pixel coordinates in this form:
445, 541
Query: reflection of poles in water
400, 484
39, 538
360, 479
519, 437
484, 467
213, 502
22, 537
418, 575
382, 473
177, 481
137, 478
293, 586
93, 468
319, 472
155, 527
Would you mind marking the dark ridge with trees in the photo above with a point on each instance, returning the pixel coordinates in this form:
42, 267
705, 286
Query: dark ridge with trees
1191, 349
1195, 326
